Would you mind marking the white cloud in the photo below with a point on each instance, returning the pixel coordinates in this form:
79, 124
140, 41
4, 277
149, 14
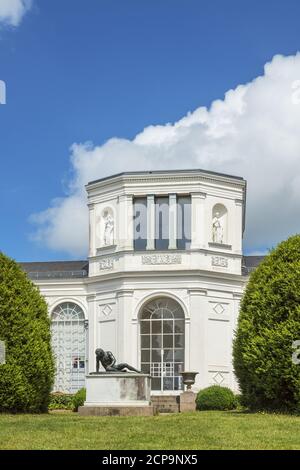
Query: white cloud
253, 132
12, 11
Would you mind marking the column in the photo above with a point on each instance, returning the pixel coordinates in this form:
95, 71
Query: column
172, 221
198, 225
150, 222
125, 241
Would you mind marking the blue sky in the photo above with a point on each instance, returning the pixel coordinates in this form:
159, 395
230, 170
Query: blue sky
87, 71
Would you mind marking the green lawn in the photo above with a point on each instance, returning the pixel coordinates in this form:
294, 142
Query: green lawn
199, 430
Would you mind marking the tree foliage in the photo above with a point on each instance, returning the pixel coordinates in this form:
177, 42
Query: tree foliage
27, 377
268, 325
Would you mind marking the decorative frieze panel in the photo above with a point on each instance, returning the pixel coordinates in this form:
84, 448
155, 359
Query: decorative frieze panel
161, 259
219, 261
106, 264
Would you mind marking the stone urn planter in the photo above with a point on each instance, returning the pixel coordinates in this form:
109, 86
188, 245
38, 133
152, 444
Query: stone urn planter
189, 378
188, 397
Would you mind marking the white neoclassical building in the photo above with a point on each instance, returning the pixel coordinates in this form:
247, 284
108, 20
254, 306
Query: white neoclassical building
163, 281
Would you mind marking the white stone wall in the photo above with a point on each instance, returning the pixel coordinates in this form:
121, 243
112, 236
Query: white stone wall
112, 309
210, 308
206, 280
58, 291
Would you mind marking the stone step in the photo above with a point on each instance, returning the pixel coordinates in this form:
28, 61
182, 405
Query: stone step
165, 400
165, 403
165, 397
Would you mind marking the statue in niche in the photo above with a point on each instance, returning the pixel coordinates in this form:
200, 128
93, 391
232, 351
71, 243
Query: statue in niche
217, 229
109, 225
108, 362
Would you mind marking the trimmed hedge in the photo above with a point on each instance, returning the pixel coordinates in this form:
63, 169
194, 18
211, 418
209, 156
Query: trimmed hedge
269, 323
61, 401
27, 377
79, 399
66, 401
216, 398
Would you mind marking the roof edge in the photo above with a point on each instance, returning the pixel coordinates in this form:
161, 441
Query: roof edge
162, 172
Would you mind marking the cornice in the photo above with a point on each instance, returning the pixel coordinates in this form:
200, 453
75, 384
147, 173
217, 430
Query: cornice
167, 178
213, 275
224, 252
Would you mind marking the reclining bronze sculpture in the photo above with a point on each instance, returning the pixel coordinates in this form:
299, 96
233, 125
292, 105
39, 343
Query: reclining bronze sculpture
108, 361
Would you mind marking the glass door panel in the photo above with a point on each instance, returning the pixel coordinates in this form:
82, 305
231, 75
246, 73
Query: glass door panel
162, 344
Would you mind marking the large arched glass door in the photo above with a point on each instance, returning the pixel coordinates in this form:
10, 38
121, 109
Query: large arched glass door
162, 343
69, 347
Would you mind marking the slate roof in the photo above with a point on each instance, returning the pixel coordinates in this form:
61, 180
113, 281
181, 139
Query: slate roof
250, 263
56, 269
80, 269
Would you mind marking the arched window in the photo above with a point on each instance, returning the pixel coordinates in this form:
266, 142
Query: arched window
69, 347
219, 224
162, 343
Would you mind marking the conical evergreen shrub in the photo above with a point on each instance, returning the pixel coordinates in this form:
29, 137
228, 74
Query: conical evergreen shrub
26, 378
265, 359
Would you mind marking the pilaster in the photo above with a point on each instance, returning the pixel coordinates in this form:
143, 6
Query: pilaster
150, 222
198, 221
172, 221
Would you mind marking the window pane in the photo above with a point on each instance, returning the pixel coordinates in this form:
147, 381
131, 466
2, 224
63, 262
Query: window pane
156, 315
179, 341
145, 356
183, 222
178, 313
178, 368
168, 341
168, 383
145, 341
145, 327
156, 384
145, 368
179, 326
168, 355
178, 383
140, 223
178, 355
156, 326
168, 326
167, 314
156, 355
162, 223
156, 342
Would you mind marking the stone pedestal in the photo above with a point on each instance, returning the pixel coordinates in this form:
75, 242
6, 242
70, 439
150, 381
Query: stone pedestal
187, 401
122, 394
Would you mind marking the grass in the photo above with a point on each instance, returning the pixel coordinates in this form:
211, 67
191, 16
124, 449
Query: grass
199, 430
